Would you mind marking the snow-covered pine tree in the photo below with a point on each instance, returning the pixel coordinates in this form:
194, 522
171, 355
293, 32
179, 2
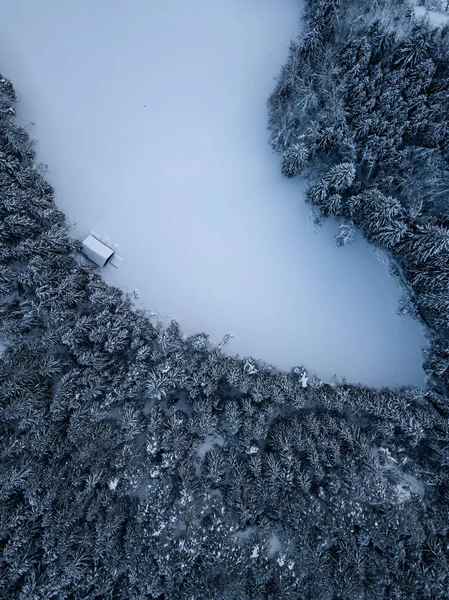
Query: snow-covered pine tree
294, 159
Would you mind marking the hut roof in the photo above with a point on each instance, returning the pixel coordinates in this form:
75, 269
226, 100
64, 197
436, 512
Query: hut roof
98, 252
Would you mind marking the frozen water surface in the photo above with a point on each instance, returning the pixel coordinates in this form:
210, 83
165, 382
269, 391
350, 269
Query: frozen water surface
151, 116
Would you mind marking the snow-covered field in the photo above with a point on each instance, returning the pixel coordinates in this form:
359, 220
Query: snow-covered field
436, 11
151, 116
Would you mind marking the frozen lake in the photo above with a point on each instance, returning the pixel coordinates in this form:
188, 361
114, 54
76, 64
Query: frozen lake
151, 116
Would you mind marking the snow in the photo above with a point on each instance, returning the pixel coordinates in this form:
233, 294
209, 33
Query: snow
275, 545
256, 551
152, 119
281, 560
113, 484
408, 486
246, 533
437, 18
208, 445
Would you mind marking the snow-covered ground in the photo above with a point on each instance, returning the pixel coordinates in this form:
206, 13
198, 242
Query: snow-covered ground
436, 11
151, 116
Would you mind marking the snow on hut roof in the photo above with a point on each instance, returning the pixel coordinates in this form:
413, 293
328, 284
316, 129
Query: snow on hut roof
98, 252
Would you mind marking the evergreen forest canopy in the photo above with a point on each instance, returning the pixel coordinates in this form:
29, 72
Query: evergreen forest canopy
137, 463
362, 106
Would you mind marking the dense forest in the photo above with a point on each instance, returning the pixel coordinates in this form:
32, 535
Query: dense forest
138, 463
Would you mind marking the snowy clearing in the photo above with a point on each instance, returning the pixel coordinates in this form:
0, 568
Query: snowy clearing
435, 12
152, 119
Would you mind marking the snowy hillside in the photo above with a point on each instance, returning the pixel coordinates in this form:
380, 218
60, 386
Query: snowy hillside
152, 119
